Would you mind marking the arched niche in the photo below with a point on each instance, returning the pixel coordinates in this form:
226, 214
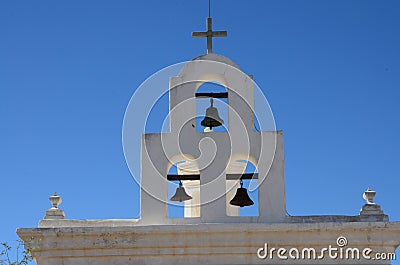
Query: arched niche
189, 208
245, 169
218, 93
210, 69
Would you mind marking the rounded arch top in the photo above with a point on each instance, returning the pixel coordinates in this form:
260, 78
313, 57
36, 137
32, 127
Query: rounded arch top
210, 68
217, 58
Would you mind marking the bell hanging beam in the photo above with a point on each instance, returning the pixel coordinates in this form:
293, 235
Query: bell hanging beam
175, 177
212, 95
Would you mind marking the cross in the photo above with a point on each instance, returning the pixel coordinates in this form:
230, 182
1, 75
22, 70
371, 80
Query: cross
209, 34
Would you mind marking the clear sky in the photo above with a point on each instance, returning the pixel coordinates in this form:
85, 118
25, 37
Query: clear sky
330, 70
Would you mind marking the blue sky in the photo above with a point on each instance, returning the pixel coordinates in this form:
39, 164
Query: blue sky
330, 70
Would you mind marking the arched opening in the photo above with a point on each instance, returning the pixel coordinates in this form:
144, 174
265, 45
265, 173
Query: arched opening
242, 173
215, 96
180, 206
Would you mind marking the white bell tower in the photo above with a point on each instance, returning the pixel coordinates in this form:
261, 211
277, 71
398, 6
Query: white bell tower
212, 159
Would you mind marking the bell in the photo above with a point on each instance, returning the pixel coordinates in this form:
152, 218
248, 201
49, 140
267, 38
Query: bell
180, 194
212, 118
241, 197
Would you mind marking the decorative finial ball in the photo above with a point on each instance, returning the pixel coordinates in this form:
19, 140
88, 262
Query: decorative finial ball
55, 200
369, 196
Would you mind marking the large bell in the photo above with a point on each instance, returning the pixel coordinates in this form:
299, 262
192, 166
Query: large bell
180, 194
212, 118
241, 197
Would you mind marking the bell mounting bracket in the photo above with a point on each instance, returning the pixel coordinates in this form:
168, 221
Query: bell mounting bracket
172, 177
212, 95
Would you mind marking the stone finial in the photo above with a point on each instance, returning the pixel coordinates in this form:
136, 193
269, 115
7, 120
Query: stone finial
372, 211
369, 196
55, 200
54, 212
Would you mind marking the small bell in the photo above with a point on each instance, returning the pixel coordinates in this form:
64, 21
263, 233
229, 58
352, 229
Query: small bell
241, 197
180, 194
212, 118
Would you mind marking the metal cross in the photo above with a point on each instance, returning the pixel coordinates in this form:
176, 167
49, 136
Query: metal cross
209, 34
